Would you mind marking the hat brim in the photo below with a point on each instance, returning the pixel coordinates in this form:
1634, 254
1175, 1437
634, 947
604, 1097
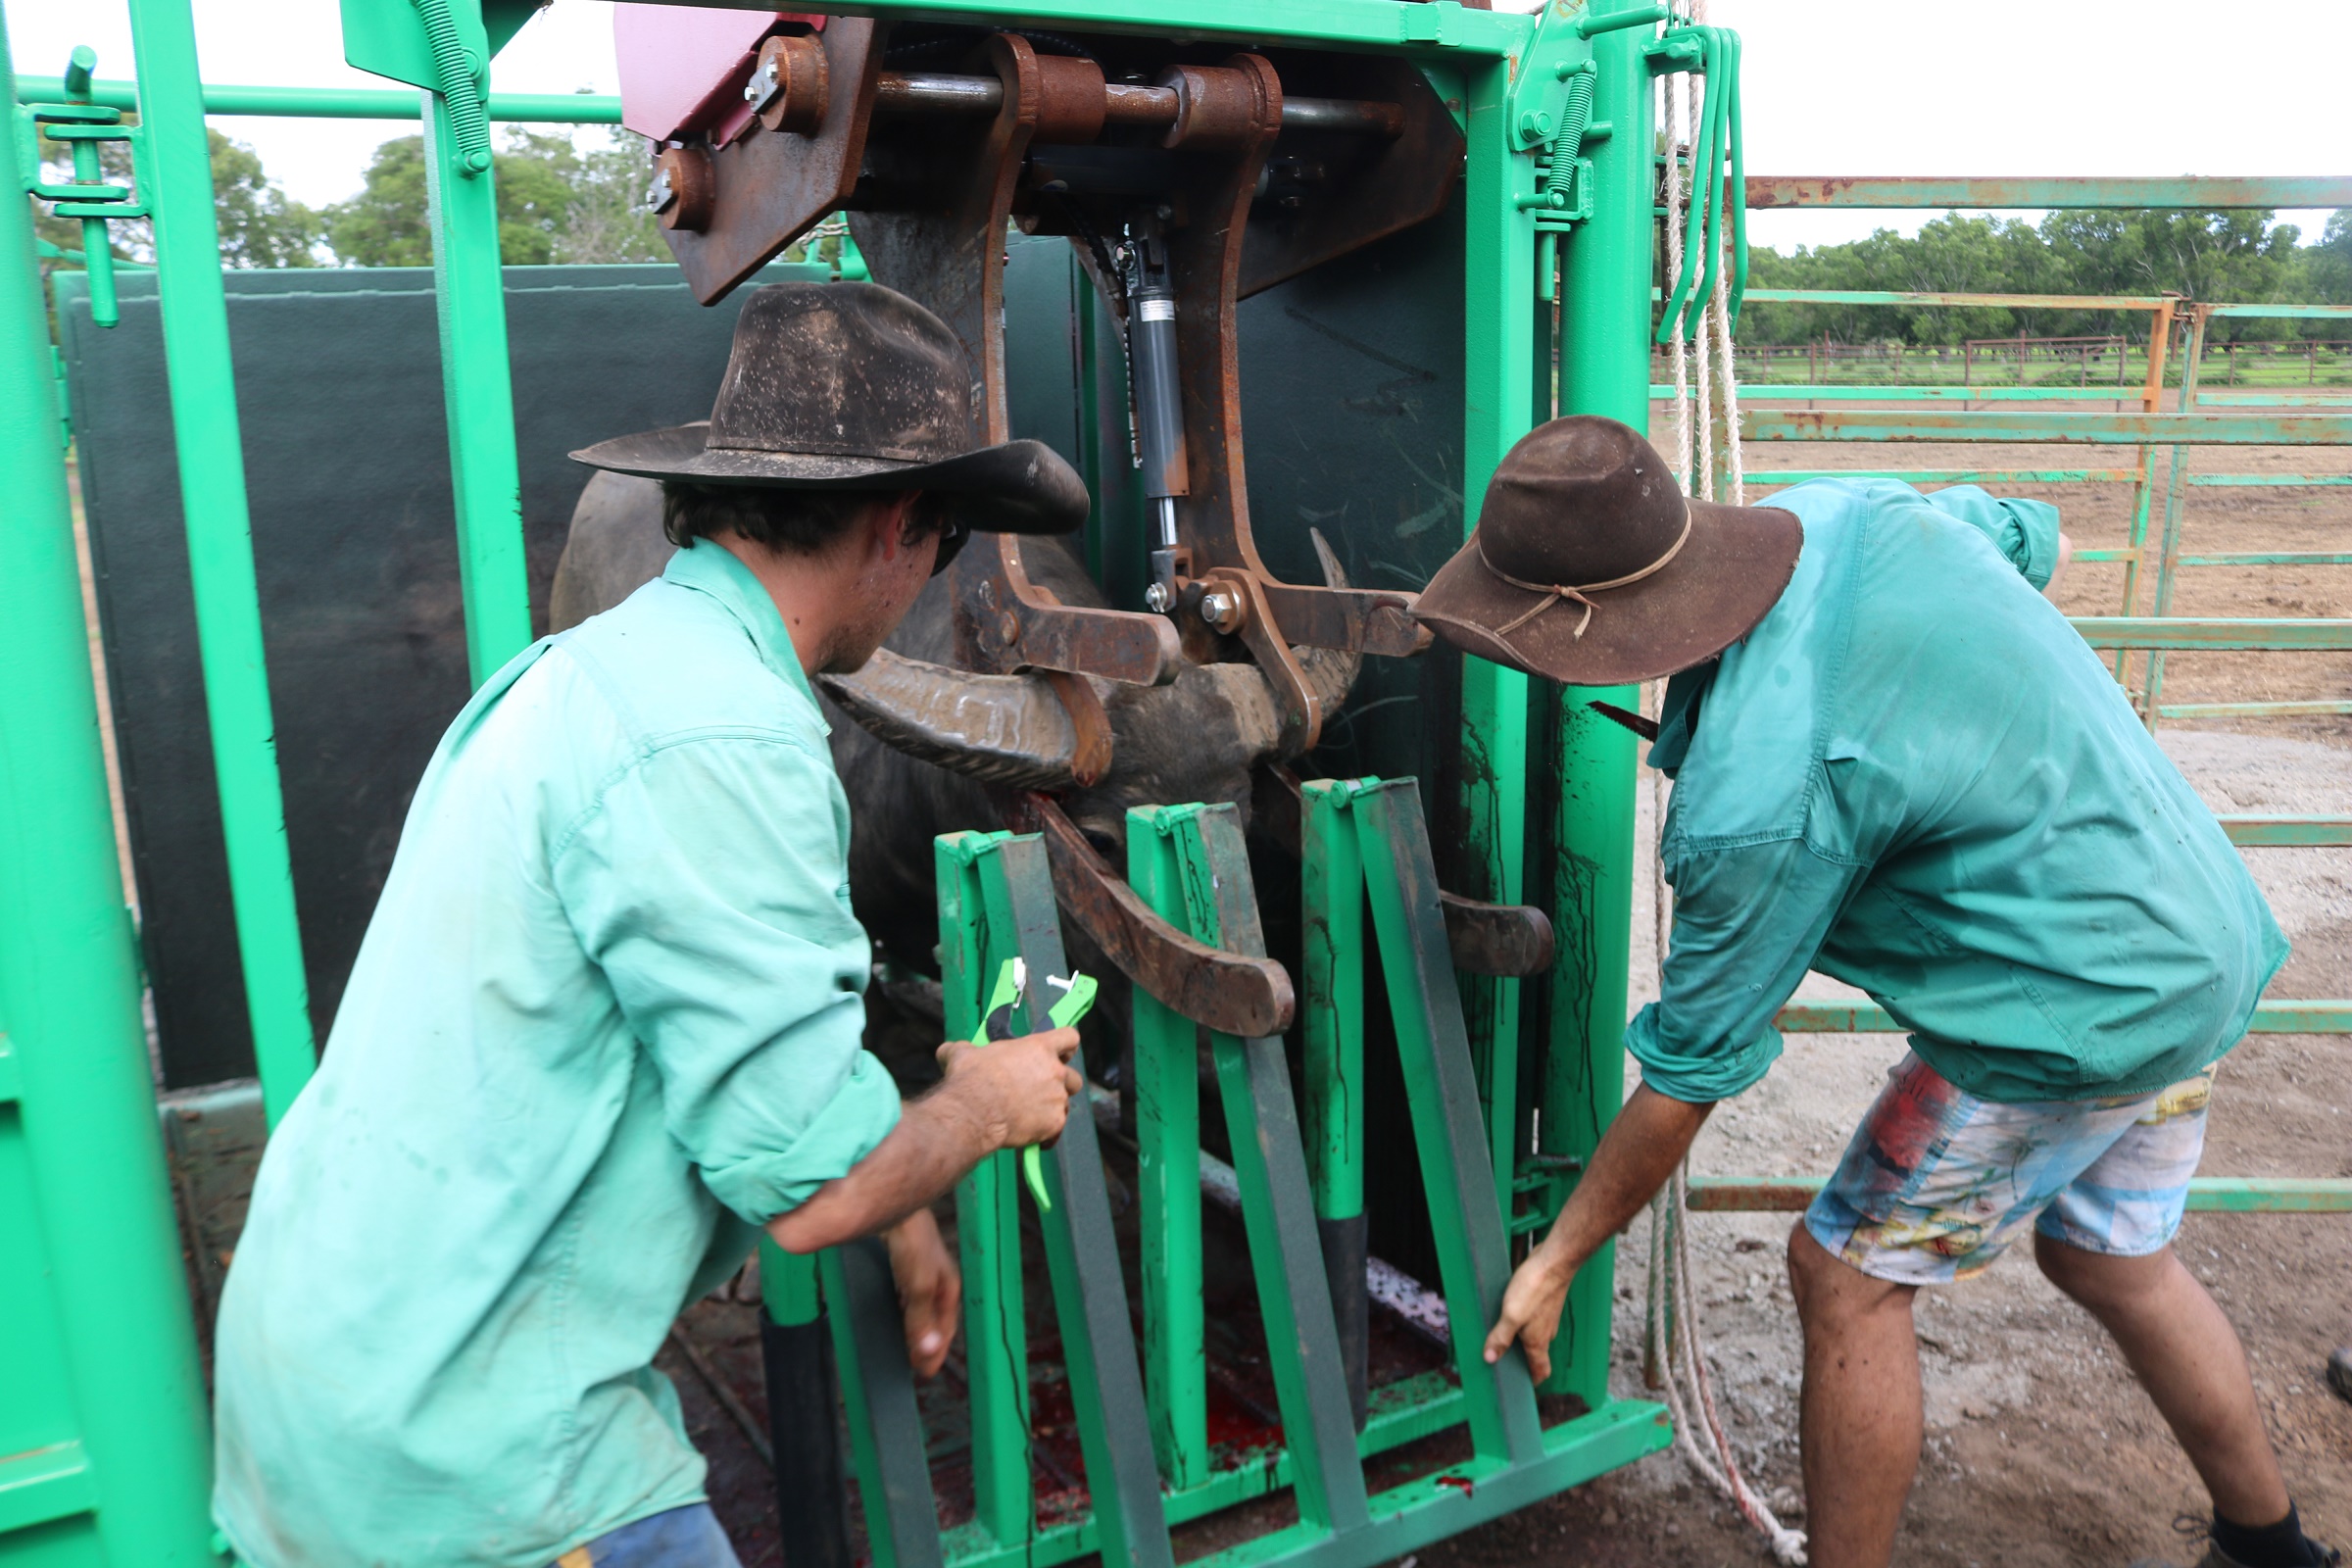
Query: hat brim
1018, 487
1729, 572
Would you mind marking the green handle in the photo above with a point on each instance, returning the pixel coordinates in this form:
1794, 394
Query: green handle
1063, 1014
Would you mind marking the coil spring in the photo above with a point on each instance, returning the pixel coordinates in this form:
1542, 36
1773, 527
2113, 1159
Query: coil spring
470, 118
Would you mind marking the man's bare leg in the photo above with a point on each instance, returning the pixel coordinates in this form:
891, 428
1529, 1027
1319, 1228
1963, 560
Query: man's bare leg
2182, 1350
1862, 1422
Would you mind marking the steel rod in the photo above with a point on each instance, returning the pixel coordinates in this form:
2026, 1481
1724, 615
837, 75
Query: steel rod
2034, 426
940, 92
341, 102
476, 386
1866, 1017
1997, 193
177, 179
2207, 1195
2256, 832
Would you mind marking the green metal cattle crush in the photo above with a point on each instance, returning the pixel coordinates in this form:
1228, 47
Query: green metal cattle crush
104, 1453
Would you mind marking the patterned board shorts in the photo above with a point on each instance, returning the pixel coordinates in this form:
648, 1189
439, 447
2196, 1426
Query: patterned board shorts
1936, 1182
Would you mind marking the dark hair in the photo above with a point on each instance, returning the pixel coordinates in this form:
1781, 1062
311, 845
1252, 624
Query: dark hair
799, 523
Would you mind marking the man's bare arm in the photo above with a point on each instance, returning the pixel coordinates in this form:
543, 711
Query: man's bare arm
1007, 1094
1637, 1156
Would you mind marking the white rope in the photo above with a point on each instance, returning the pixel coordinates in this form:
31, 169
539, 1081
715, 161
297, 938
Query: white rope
1674, 1358
1734, 458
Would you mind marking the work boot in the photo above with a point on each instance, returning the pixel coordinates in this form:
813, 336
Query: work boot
2193, 1530
2339, 1371
2321, 1556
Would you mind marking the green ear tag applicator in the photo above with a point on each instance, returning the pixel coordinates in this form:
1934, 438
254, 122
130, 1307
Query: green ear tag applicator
997, 1023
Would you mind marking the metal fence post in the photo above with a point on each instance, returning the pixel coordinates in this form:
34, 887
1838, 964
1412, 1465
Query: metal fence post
2176, 497
2143, 489
1502, 377
1605, 369
470, 296
99, 1224
177, 185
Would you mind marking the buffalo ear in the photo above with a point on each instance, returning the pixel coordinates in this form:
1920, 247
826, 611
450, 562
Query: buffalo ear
999, 729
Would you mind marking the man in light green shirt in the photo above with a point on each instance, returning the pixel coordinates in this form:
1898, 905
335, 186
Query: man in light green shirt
1896, 763
605, 1021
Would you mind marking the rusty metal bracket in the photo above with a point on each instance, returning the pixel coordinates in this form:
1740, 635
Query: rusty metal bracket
1252, 620
936, 234
1204, 265
1228, 993
773, 186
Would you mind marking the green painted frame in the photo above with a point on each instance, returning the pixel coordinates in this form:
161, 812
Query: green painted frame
1367, 846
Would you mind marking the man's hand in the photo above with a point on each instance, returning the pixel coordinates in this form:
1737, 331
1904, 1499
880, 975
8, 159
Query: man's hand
930, 1290
1018, 1091
1636, 1155
1531, 1310
1009, 1094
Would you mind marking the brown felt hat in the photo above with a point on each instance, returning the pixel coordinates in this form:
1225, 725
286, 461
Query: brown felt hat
1591, 567
852, 386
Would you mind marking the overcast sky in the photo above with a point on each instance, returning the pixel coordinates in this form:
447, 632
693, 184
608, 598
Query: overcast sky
1832, 87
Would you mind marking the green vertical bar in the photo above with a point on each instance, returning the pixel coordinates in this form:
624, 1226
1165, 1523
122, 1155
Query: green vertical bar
1219, 906
1605, 369
1331, 1010
1167, 1128
865, 1455
177, 183
470, 293
1499, 376
1442, 1092
70, 993
787, 1286
988, 1227
1090, 1292
2175, 496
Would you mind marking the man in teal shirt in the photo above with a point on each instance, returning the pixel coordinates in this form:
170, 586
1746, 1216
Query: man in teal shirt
1896, 763
605, 1021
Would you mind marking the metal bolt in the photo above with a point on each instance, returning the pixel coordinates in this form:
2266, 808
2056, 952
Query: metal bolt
1160, 598
762, 87
1536, 123
660, 193
1218, 610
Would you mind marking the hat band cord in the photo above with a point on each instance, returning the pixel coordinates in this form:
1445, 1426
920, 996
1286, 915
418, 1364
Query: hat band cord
1558, 593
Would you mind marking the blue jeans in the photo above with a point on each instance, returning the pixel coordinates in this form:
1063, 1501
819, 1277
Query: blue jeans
681, 1538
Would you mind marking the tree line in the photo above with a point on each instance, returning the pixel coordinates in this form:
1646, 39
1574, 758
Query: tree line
2238, 256
561, 199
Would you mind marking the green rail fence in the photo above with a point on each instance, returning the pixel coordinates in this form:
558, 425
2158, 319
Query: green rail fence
2201, 420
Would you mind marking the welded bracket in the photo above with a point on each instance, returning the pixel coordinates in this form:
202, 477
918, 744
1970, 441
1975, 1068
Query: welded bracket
81, 125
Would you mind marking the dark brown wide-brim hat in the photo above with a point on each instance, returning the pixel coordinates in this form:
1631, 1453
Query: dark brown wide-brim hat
1589, 566
852, 386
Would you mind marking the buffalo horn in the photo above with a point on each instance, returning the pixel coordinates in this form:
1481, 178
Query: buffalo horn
999, 729
1330, 674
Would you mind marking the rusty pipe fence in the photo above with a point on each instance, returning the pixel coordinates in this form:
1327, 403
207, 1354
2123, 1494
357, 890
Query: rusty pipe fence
2307, 419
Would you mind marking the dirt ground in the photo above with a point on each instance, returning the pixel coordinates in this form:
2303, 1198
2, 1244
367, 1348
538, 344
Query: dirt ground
2042, 1451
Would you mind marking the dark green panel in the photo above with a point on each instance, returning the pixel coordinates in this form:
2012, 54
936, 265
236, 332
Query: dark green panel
1351, 397
347, 459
